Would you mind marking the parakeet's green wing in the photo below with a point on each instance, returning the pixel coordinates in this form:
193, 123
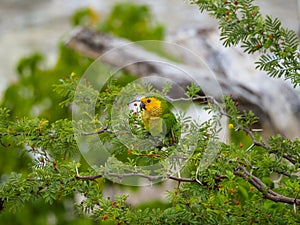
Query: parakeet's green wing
170, 122
169, 119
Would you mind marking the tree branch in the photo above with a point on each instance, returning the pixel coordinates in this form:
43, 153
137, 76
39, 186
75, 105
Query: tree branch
262, 187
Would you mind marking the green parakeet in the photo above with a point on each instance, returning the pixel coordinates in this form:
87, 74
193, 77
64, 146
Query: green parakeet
158, 118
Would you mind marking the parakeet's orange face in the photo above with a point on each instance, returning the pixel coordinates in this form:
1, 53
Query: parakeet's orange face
151, 105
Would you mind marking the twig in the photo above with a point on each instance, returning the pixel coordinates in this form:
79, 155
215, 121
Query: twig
289, 158
88, 177
182, 179
100, 131
282, 173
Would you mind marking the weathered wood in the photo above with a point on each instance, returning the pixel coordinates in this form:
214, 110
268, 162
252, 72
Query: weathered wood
274, 101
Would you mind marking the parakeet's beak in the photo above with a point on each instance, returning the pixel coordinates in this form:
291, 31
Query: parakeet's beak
142, 106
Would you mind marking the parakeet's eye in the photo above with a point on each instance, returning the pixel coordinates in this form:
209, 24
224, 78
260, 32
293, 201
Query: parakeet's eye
148, 100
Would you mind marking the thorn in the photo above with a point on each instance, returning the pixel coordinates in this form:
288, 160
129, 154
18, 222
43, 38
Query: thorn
295, 204
77, 173
257, 130
250, 147
197, 180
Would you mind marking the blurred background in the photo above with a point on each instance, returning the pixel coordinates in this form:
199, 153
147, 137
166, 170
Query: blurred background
38, 25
